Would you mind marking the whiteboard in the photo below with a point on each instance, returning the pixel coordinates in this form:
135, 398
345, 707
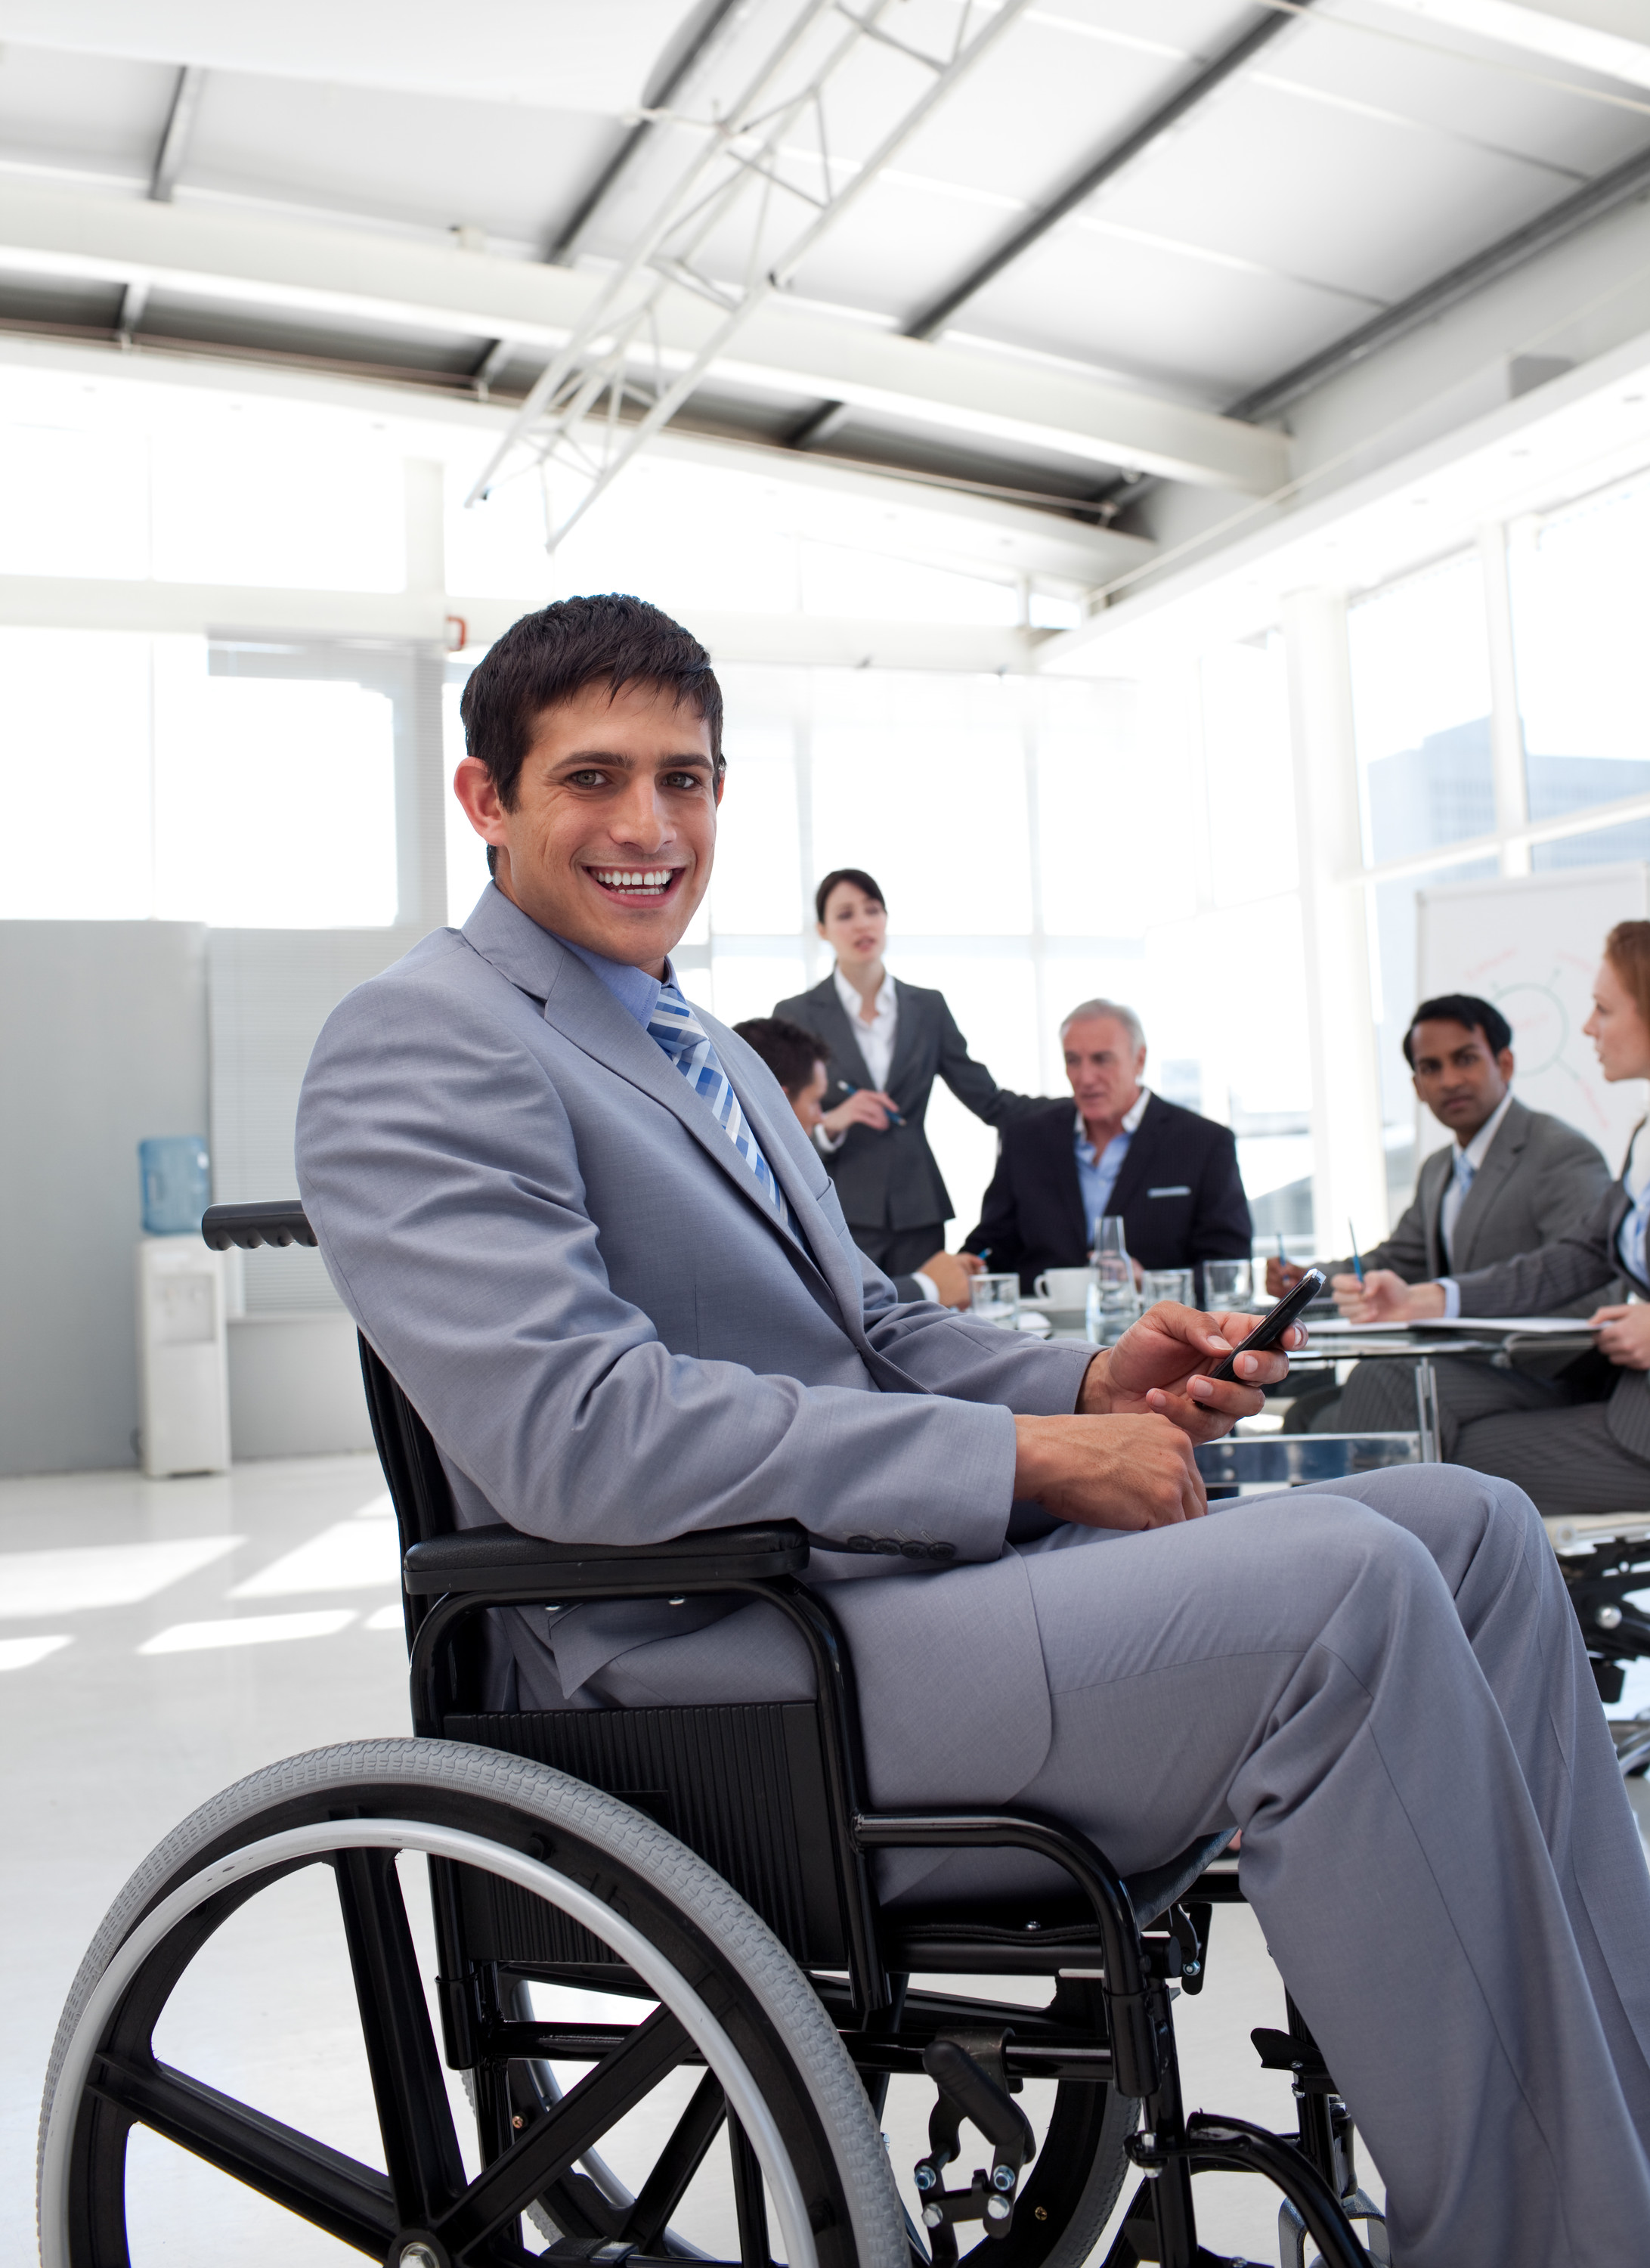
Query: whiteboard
1531, 942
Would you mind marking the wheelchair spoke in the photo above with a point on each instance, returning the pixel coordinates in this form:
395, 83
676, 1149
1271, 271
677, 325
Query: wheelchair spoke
421, 2145
751, 2204
677, 2163
348, 2200
578, 2123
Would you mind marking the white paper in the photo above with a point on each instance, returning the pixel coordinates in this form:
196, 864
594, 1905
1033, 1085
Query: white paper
1537, 1325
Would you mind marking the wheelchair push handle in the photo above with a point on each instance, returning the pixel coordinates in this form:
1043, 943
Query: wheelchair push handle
249, 1226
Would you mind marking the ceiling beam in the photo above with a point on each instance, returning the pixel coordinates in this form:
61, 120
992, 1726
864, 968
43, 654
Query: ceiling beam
174, 147
217, 609
274, 266
1108, 159
1561, 221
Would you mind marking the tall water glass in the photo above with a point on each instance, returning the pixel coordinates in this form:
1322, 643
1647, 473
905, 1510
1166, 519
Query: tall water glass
995, 1299
1112, 1303
1227, 1283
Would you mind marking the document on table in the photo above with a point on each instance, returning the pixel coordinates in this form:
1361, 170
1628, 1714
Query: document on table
1536, 1326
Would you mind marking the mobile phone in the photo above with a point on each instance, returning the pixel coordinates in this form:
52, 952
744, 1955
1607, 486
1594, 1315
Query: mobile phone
1272, 1326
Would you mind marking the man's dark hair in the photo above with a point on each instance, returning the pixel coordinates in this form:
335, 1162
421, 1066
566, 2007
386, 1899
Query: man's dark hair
860, 879
552, 656
789, 1050
1461, 1008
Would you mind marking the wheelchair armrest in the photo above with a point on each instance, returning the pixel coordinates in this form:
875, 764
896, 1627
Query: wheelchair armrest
502, 1562
281, 1221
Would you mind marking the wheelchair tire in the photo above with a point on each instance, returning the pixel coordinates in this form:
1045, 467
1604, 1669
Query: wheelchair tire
728, 1997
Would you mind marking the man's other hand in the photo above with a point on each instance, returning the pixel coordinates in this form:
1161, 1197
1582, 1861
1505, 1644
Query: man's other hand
1161, 1365
1282, 1276
867, 1106
1108, 1472
1385, 1298
952, 1275
1624, 1335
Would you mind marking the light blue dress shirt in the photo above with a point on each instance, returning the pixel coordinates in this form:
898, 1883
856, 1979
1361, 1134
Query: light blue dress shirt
1097, 1176
635, 991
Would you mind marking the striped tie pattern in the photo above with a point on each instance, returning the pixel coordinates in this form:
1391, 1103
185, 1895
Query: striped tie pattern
687, 1044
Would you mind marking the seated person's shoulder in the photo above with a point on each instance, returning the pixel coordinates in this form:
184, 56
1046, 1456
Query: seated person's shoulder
1190, 1125
1561, 1141
1032, 1129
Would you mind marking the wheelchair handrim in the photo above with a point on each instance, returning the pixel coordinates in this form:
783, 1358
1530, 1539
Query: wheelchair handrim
530, 1875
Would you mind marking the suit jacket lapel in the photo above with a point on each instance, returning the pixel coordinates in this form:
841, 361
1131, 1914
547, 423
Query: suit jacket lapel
1500, 1162
1132, 1173
1434, 1180
907, 1033
583, 1010
836, 1028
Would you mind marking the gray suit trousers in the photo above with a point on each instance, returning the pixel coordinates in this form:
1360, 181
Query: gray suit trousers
1526, 1428
1381, 1682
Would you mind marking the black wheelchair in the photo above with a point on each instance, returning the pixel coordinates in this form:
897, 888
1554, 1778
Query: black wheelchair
706, 1872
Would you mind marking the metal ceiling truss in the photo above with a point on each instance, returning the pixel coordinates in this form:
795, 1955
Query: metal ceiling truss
742, 186
825, 422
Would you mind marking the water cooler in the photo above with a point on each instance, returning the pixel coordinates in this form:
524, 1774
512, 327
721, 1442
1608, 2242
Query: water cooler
182, 1342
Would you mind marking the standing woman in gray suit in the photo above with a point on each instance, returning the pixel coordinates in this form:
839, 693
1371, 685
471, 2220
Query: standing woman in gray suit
888, 1043
1580, 1443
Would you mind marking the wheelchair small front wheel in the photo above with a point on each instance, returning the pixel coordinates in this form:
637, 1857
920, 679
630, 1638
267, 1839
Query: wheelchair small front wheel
717, 2010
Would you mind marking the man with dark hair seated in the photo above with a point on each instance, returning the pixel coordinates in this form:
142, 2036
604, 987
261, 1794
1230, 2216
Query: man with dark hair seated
579, 1221
1512, 1180
801, 1063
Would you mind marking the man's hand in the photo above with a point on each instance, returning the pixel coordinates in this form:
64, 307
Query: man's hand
952, 1275
1161, 1366
1385, 1298
1108, 1472
1624, 1333
1282, 1276
867, 1106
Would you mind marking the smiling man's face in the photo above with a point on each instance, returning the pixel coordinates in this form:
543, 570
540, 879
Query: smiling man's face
612, 832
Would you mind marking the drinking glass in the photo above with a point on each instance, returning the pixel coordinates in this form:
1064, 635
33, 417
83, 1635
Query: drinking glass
1227, 1283
1166, 1283
995, 1299
1113, 1304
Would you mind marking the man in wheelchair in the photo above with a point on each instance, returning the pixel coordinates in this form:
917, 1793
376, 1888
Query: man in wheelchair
577, 1220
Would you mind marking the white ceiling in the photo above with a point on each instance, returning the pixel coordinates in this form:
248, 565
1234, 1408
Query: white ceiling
1367, 148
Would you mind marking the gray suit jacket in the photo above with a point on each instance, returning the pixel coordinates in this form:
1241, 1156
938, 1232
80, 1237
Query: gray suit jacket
1571, 1275
1539, 1180
561, 1256
890, 1180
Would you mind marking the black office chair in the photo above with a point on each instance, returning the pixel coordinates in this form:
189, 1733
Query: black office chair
707, 1870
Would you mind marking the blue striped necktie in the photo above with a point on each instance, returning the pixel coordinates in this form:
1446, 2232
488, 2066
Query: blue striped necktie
687, 1044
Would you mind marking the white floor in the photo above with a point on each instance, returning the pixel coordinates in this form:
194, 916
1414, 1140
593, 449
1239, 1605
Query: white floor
160, 1638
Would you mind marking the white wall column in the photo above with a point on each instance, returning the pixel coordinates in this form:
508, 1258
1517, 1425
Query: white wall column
1507, 723
1349, 1180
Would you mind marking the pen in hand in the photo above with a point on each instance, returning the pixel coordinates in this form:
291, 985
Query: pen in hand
1358, 1265
848, 1088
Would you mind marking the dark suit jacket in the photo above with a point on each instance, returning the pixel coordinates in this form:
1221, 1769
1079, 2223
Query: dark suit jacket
1178, 1192
1552, 1280
890, 1180
1539, 1180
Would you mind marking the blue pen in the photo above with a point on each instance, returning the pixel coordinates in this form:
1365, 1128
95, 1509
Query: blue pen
1358, 1265
848, 1088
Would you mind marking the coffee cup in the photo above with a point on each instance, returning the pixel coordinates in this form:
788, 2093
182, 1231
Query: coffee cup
1065, 1287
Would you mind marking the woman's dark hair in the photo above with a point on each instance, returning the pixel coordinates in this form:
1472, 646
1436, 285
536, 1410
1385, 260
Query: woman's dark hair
550, 657
1463, 1008
860, 879
790, 1051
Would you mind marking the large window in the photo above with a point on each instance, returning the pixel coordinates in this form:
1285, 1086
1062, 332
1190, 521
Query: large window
137, 783
1422, 710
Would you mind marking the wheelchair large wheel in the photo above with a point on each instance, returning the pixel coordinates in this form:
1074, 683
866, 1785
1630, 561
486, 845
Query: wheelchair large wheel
727, 2018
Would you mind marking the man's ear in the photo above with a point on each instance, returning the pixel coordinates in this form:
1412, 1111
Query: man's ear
473, 785
1504, 1064
721, 781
